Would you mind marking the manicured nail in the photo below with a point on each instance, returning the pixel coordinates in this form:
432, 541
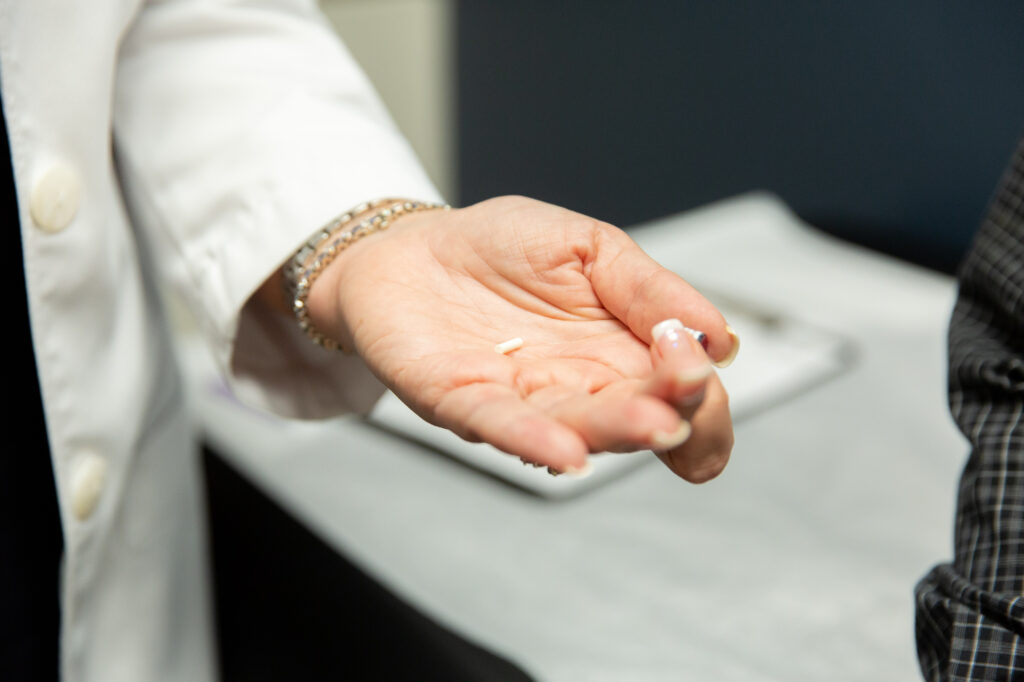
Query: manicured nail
669, 338
668, 334
695, 375
661, 440
669, 330
581, 471
692, 381
727, 360
693, 399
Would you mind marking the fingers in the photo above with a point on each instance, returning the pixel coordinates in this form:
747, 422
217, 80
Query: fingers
641, 293
558, 426
681, 367
683, 376
616, 419
704, 455
498, 415
619, 418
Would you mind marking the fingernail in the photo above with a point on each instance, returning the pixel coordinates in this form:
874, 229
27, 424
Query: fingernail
693, 379
693, 399
695, 375
581, 471
669, 338
727, 360
660, 440
668, 329
668, 334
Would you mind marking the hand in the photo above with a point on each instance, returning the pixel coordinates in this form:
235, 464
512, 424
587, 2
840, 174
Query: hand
425, 303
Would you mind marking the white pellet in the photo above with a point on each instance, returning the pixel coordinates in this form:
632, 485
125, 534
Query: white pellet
509, 346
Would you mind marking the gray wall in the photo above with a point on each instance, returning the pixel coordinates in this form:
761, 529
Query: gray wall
884, 122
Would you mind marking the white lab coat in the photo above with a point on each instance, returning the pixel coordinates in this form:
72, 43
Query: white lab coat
195, 143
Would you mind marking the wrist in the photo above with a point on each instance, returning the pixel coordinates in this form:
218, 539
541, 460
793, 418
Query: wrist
313, 274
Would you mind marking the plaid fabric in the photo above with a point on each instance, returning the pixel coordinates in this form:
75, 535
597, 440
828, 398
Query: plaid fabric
970, 613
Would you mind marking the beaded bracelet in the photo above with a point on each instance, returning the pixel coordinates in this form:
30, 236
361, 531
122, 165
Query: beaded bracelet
313, 257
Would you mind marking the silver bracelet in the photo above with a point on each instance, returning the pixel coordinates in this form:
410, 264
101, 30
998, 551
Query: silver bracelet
313, 257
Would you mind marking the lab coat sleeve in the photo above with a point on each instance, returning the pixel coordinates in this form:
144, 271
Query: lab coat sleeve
239, 129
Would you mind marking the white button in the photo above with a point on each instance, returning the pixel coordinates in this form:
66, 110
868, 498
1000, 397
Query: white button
88, 474
55, 197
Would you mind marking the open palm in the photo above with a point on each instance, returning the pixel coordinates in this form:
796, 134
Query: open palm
426, 303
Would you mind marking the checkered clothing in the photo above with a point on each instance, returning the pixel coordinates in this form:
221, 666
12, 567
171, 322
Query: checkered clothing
970, 614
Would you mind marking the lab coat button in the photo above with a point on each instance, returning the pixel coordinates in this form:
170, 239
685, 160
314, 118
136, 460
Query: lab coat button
88, 475
55, 196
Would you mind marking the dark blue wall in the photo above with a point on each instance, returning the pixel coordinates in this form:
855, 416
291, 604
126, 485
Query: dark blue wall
885, 122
